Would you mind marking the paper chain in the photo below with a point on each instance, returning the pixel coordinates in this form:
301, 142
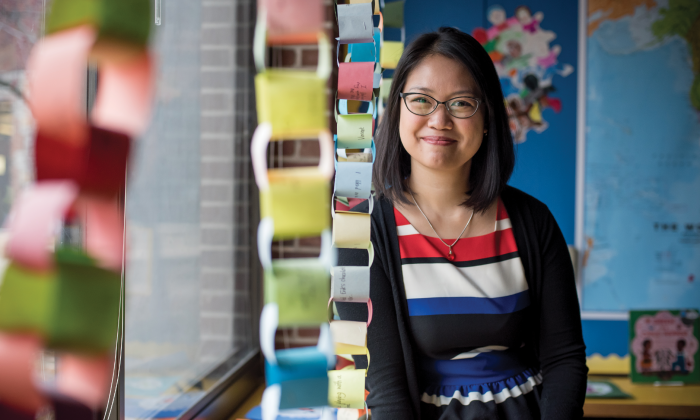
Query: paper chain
293, 202
56, 296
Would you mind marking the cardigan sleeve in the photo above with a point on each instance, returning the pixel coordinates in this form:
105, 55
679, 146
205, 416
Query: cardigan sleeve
561, 347
386, 380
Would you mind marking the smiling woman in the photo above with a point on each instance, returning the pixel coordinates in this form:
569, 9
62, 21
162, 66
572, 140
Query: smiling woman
484, 325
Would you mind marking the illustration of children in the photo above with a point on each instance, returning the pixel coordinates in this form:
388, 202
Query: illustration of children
679, 364
529, 23
646, 356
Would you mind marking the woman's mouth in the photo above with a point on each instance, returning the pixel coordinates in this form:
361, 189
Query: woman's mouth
438, 140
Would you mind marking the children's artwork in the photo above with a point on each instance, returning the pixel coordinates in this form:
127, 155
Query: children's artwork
664, 346
526, 64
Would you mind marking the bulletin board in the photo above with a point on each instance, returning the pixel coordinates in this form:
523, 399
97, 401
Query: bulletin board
609, 143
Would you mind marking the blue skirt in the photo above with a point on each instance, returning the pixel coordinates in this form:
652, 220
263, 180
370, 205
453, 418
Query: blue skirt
491, 386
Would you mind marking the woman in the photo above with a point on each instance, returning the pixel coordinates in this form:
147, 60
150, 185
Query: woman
475, 308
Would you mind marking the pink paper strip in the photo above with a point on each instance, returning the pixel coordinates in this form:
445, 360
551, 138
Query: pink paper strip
289, 17
355, 81
124, 94
56, 71
104, 231
33, 222
18, 357
85, 378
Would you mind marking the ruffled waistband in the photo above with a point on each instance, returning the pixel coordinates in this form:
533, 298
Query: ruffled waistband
518, 383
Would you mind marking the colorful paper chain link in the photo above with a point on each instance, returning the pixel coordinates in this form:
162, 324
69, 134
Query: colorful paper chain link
56, 296
291, 104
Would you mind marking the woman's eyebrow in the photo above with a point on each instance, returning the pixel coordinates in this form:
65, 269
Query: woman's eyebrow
428, 90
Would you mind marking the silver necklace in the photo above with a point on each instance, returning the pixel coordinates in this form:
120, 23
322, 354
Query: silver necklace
451, 255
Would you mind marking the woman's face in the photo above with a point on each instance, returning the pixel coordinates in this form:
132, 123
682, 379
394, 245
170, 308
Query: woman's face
440, 141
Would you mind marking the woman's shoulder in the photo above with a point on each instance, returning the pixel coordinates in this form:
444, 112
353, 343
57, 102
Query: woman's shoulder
519, 202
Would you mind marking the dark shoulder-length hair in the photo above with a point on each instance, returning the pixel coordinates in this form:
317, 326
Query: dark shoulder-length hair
492, 164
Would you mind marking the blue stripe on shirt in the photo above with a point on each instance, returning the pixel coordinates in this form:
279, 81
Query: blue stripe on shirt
468, 305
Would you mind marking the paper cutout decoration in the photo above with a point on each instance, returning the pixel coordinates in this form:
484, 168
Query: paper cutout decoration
385, 88
118, 21
292, 21
346, 388
85, 378
87, 304
391, 54
355, 131
355, 23
58, 107
350, 284
297, 200
353, 333
18, 356
368, 51
104, 230
32, 222
355, 81
356, 157
300, 288
26, 300
10, 413
301, 374
123, 102
393, 14
353, 179
97, 165
293, 102
351, 230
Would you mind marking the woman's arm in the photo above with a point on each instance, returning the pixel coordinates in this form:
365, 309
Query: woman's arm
386, 380
562, 351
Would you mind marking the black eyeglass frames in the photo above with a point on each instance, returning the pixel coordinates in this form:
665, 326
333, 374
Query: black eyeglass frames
422, 104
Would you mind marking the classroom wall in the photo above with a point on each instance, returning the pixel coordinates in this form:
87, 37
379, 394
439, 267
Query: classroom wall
546, 161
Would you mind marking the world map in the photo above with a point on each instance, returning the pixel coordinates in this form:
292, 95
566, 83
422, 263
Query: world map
642, 166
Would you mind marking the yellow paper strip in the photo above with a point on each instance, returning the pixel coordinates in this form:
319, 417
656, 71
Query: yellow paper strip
346, 388
297, 201
391, 54
294, 102
351, 230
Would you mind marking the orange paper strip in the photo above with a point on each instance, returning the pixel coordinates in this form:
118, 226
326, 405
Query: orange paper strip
355, 81
56, 72
124, 94
33, 221
18, 356
85, 378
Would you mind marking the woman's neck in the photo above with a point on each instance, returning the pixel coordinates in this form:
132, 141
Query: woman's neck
439, 190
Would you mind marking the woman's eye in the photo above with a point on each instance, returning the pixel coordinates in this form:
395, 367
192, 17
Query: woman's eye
419, 100
460, 104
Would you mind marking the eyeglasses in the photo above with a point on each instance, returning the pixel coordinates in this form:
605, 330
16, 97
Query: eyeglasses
422, 104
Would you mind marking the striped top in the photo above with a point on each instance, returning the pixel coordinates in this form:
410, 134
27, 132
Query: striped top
468, 316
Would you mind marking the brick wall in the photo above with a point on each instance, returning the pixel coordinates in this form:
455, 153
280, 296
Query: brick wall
293, 153
228, 199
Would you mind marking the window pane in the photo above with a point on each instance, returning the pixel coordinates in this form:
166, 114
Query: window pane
188, 303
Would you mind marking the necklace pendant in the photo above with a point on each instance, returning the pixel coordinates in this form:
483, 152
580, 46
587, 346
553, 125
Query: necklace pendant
451, 256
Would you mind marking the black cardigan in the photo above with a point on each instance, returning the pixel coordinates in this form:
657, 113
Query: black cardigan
555, 336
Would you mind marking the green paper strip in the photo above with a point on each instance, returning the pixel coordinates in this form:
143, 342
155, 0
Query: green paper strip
354, 131
26, 300
87, 304
393, 14
122, 20
301, 289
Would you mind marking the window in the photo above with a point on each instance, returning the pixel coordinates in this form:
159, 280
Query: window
191, 278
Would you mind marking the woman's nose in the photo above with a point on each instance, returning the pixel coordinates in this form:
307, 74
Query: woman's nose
440, 119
